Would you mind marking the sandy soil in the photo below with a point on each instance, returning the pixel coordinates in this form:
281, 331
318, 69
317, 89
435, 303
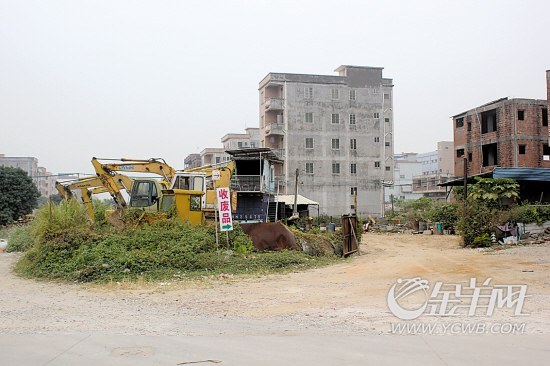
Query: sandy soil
346, 298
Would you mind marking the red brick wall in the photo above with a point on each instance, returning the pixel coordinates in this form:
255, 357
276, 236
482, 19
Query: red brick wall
528, 132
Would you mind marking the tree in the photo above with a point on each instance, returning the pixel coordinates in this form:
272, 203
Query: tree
495, 192
18, 194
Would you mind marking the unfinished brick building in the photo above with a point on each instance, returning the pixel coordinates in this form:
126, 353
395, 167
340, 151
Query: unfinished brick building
507, 133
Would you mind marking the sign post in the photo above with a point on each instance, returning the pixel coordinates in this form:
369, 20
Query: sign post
216, 176
224, 207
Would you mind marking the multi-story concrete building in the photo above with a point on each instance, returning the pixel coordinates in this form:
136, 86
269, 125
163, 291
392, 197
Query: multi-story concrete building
39, 175
508, 133
437, 167
213, 155
192, 161
230, 141
235, 141
406, 166
336, 130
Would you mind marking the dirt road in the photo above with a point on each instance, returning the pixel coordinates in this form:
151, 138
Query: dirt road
347, 298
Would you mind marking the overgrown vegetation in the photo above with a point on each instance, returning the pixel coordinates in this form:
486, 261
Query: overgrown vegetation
67, 247
20, 238
490, 202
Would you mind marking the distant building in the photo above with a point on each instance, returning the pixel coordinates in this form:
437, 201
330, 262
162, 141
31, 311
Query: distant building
337, 131
235, 141
192, 161
213, 155
406, 166
437, 167
507, 133
39, 175
230, 141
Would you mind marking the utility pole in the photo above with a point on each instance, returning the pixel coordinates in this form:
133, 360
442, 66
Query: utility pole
465, 179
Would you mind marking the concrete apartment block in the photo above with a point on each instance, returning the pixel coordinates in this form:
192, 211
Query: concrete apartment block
213, 155
336, 130
507, 133
235, 141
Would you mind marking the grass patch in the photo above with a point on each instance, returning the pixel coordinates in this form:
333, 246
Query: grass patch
68, 248
20, 238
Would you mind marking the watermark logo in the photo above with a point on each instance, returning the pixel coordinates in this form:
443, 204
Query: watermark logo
410, 298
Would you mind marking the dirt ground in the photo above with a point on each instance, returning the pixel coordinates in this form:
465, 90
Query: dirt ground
346, 298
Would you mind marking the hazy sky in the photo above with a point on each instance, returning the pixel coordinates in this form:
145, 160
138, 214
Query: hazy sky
168, 78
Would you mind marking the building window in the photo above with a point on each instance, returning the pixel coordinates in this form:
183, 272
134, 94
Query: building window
352, 119
521, 115
352, 95
252, 144
309, 117
459, 122
309, 168
353, 191
386, 96
386, 120
521, 149
308, 92
374, 91
335, 168
388, 168
545, 152
490, 154
335, 119
240, 144
353, 144
402, 176
335, 144
459, 153
218, 160
545, 116
353, 168
376, 115
470, 157
469, 126
489, 121
377, 139
309, 142
377, 164
387, 143
335, 94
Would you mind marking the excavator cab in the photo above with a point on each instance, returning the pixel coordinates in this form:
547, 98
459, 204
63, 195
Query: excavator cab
144, 194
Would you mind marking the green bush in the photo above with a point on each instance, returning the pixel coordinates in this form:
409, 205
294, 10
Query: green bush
444, 213
20, 238
482, 241
476, 219
154, 251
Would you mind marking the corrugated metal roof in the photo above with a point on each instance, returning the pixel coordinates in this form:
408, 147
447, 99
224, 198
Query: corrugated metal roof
534, 174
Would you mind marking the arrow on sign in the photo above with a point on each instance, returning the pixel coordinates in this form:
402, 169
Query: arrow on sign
227, 227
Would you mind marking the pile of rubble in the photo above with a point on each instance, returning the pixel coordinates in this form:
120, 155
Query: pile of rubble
540, 238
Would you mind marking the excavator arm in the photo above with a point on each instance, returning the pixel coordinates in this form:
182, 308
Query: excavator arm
154, 166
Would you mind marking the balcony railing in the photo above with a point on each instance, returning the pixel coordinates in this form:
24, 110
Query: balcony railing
273, 104
247, 183
280, 153
274, 129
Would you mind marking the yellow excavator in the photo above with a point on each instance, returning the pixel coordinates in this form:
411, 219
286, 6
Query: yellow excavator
209, 201
152, 194
92, 185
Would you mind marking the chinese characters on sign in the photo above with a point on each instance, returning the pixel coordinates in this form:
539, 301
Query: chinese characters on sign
224, 207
